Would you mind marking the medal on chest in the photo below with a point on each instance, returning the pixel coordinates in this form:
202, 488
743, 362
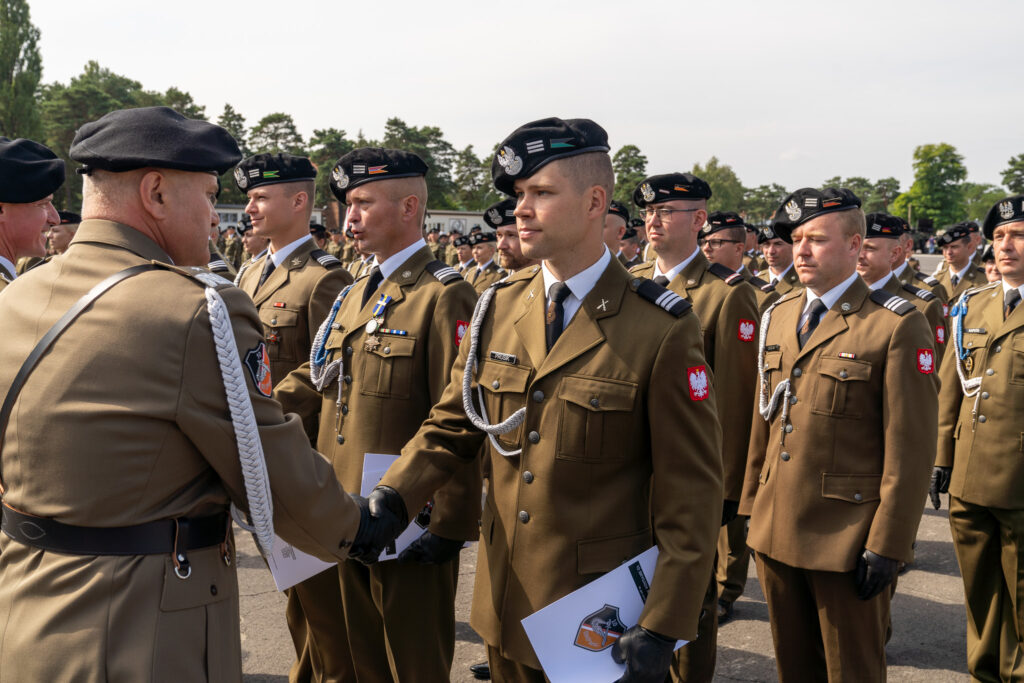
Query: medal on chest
376, 323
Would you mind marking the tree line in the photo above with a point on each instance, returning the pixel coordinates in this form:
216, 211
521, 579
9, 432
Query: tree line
459, 178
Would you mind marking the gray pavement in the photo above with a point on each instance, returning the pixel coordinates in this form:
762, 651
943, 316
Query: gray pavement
928, 642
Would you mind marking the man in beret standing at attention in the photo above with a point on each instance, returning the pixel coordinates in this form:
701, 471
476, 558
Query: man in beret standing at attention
29, 175
59, 236
577, 366
385, 355
485, 271
125, 442
833, 491
979, 460
959, 272
510, 249
675, 208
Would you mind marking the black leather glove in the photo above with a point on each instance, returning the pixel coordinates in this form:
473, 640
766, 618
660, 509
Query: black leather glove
730, 508
874, 573
646, 654
430, 548
940, 484
382, 518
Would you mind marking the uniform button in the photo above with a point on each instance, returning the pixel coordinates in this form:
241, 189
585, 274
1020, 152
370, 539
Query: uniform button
984, 394
387, 349
533, 437
528, 477
990, 372
843, 374
344, 410
348, 350
789, 429
792, 400
538, 396
998, 349
348, 379
341, 439
495, 384
524, 516
982, 418
784, 456
213, 589
274, 321
595, 403
797, 372
857, 497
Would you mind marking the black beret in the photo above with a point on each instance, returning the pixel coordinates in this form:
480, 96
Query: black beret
767, 234
630, 233
670, 186
1009, 210
988, 255
460, 241
960, 231
721, 220
475, 229
971, 226
366, 164
28, 171
432, 229
317, 229
501, 213
127, 139
482, 238
903, 222
69, 217
636, 223
530, 147
808, 203
883, 225
270, 169
619, 209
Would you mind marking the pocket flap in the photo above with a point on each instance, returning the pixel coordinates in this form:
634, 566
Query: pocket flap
335, 340
394, 346
279, 317
211, 581
845, 369
853, 488
501, 378
598, 394
772, 360
600, 555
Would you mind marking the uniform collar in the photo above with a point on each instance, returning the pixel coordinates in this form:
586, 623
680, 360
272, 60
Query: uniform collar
1007, 287
781, 276
119, 235
899, 269
395, 261
281, 254
960, 275
881, 282
677, 269
485, 266
830, 297
582, 282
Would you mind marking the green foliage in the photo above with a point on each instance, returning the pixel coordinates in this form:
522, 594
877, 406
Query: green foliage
760, 203
874, 197
726, 189
937, 192
980, 197
21, 70
630, 166
472, 181
429, 144
276, 133
1013, 176
325, 148
183, 103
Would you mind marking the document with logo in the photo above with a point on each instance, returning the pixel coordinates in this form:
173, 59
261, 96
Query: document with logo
290, 566
374, 467
573, 636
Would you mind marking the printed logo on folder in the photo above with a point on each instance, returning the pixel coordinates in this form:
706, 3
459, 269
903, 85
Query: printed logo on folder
600, 630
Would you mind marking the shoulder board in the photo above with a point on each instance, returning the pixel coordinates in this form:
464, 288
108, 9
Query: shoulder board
923, 294
659, 296
198, 275
325, 259
761, 284
896, 304
731, 277
218, 266
927, 279
443, 272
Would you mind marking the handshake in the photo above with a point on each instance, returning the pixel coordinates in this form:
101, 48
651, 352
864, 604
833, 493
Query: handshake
382, 517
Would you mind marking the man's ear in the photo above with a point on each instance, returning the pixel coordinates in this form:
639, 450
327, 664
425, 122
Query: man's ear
154, 192
597, 206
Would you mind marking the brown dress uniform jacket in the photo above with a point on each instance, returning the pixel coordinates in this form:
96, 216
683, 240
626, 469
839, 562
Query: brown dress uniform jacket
974, 277
729, 322
911, 276
481, 279
123, 422
930, 306
787, 283
834, 479
764, 292
602, 471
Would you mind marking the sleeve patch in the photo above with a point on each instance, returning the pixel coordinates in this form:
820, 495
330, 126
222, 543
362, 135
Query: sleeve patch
257, 361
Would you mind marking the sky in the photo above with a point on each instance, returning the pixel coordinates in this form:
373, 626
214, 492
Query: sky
788, 92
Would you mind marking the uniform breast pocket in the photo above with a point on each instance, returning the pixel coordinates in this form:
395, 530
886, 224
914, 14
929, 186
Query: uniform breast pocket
387, 370
836, 386
280, 330
772, 363
1017, 362
504, 389
596, 419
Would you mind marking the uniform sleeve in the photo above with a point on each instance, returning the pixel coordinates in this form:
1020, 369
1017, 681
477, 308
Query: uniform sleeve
311, 510
940, 333
735, 371
686, 484
909, 418
951, 396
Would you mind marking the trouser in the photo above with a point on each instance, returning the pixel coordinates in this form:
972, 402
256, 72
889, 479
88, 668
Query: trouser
989, 543
733, 559
509, 671
695, 661
822, 631
302, 668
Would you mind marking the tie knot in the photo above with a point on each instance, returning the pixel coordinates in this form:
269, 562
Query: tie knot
661, 280
559, 292
817, 307
1011, 297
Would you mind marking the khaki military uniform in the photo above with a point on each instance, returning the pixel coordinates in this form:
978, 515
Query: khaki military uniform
630, 263
826, 477
234, 252
438, 251
451, 256
481, 279
601, 472
335, 249
219, 264
754, 262
764, 291
124, 422
726, 307
930, 306
389, 382
910, 276
974, 277
360, 267
787, 283
980, 438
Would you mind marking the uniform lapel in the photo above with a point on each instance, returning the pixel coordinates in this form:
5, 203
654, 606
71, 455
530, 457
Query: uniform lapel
993, 312
834, 321
690, 276
529, 324
276, 280
394, 285
788, 325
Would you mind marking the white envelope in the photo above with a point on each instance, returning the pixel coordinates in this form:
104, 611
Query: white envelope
290, 566
375, 465
573, 636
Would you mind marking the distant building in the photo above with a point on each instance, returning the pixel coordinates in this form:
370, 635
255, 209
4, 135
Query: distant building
454, 221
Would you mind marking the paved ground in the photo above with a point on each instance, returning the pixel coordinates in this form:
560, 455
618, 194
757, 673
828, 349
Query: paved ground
928, 617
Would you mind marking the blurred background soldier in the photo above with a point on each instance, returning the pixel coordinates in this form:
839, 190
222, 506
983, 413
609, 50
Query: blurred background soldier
29, 175
958, 273
485, 271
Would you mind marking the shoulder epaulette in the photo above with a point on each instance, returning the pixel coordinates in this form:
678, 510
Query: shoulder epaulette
927, 279
200, 275
923, 294
659, 296
894, 303
443, 272
731, 277
761, 284
325, 259
218, 266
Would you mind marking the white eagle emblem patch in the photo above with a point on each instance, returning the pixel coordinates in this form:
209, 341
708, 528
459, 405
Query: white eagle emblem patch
925, 361
940, 334
746, 331
698, 377
340, 177
647, 192
240, 179
793, 210
1005, 210
494, 215
509, 161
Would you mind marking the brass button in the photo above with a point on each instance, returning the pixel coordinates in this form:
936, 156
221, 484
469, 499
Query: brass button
495, 384
998, 349
990, 372
341, 439
538, 396
797, 372
970, 343
348, 379
533, 437
528, 477
344, 409
982, 418
857, 497
524, 516
387, 349
843, 374
784, 456
348, 350
789, 429
595, 403
984, 394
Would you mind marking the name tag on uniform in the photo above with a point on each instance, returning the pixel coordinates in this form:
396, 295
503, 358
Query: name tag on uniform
503, 357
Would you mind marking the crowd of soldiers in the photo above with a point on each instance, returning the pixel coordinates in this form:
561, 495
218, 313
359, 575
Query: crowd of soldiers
675, 378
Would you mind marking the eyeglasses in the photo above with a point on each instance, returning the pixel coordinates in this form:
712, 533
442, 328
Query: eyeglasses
664, 214
717, 243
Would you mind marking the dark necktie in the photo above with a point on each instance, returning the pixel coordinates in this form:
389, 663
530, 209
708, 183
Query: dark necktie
954, 279
267, 270
555, 319
661, 280
371, 285
1010, 301
811, 319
